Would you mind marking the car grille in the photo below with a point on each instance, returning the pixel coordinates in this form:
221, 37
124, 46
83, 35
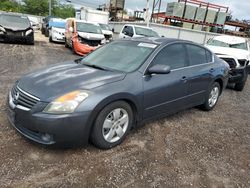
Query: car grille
107, 37
23, 98
15, 33
231, 62
90, 42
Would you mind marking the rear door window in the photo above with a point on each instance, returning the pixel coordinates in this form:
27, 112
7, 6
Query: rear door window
198, 55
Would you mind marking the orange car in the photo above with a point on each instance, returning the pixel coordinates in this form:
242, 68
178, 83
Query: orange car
83, 37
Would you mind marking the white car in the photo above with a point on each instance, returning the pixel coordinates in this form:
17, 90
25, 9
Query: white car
236, 52
107, 31
57, 30
137, 31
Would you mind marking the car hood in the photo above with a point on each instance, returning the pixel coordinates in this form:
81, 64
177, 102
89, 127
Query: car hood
61, 30
107, 32
14, 28
91, 36
236, 53
58, 79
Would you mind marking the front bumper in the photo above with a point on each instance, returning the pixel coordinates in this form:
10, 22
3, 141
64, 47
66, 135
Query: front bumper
237, 75
16, 39
248, 69
58, 38
49, 129
83, 49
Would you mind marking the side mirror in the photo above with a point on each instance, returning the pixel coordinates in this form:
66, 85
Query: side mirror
71, 29
159, 69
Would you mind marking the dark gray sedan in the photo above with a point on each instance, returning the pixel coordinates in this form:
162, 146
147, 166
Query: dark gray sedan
120, 85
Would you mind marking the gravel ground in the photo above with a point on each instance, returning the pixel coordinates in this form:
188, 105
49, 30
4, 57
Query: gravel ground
189, 149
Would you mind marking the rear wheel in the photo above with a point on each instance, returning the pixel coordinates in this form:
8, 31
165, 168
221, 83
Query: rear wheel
212, 97
112, 125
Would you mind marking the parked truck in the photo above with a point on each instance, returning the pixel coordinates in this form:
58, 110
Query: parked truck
97, 16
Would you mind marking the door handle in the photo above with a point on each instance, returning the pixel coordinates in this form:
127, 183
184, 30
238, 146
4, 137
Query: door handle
184, 79
211, 70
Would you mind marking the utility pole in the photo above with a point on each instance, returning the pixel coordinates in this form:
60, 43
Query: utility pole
147, 13
49, 7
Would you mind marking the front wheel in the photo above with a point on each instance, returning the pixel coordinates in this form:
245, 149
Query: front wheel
240, 85
112, 125
212, 97
50, 39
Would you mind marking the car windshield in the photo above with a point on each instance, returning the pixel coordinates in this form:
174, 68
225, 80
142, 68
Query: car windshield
105, 26
124, 56
57, 24
88, 28
13, 21
213, 42
145, 32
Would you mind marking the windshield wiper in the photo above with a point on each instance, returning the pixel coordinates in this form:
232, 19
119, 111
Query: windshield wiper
96, 67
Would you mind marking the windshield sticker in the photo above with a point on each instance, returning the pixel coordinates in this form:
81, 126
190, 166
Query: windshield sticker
147, 45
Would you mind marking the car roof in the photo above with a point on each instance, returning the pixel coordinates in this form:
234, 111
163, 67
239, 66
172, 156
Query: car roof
12, 14
230, 39
83, 21
157, 40
57, 20
145, 27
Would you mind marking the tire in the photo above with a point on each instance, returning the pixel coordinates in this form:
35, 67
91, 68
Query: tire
211, 101
50, 39
46, 33
240, 86
65, 44
43, 31
108, 137
73, 49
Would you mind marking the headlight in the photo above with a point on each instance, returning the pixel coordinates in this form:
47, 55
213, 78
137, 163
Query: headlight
103, 41
66, 103
80, 39
56, 32
28, 32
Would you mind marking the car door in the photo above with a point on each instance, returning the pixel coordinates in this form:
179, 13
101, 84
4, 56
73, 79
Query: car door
127, 32
199, 73
69, 32
166, 93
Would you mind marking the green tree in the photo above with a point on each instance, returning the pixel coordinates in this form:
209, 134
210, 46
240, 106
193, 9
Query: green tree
36, 7
10, 6
41, 8
63, 11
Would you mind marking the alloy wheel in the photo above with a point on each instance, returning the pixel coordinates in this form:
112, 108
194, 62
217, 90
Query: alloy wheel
115, 125
213, 97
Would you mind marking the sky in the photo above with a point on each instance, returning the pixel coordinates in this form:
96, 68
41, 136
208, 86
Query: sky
239, 8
